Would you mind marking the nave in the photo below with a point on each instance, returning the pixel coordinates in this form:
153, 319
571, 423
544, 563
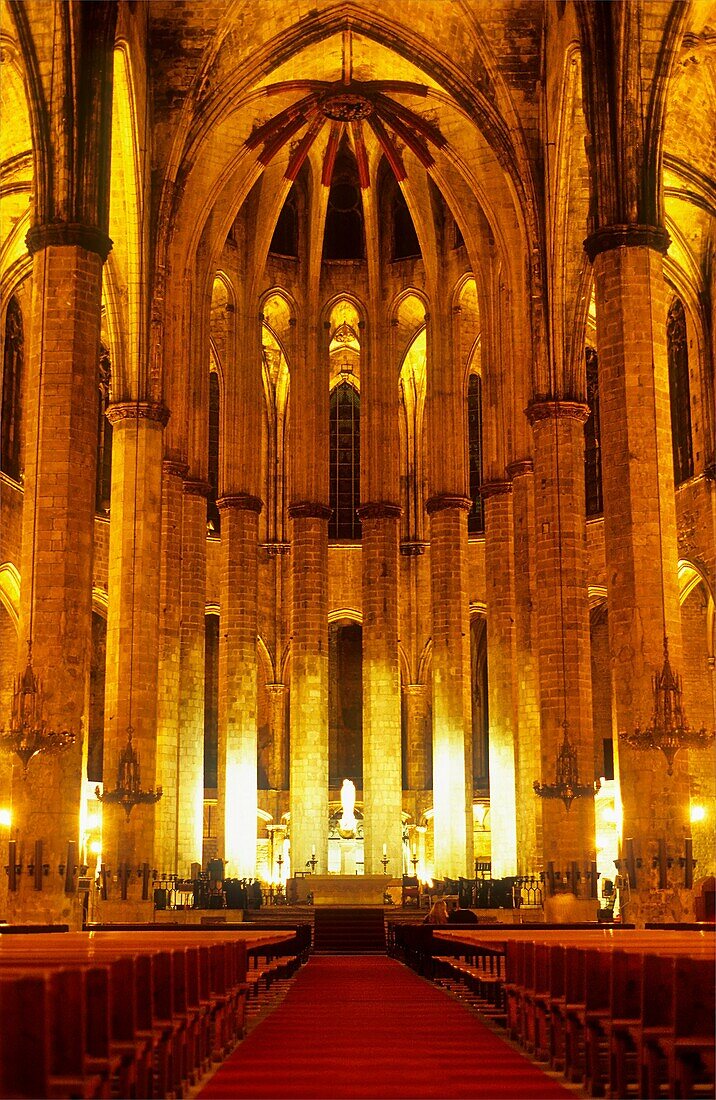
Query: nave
366, 1026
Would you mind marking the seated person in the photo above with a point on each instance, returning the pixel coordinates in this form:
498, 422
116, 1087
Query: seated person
438, 914
461, 915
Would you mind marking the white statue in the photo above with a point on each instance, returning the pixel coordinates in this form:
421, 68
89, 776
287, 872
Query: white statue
347, 824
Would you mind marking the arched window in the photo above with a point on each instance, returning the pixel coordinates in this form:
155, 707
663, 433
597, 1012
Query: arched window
344, 237
345, 462
103, 488
13, 359
679, 392
213, 516
405, 239
285, 236
592, 439
211, 701
476, 516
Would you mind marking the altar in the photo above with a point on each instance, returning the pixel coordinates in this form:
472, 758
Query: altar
340, 889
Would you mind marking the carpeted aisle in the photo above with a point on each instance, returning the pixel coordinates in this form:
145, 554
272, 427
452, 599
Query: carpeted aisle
366, 1026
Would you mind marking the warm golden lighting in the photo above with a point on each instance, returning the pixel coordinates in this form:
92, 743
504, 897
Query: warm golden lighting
6, 819
93, 822
95, 847
698, 813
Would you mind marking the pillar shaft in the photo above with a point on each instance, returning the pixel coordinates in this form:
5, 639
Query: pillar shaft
168, 678
133, 621
563, 619
190, 758
278, 700
452, 727
501, 672
639, 524
57, 545
309, 686
238, 682
382, 757
527, 762
416, 735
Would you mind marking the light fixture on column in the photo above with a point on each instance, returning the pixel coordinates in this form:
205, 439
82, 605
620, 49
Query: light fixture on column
128, 793
566, 786
668, 732
29, 735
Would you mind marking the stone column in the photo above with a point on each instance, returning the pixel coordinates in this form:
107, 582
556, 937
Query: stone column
168, 679
452, 743
278, 697
527, 762
57, 544
190, 758
133, 621
416, 735
501, 672
309, 686
238, 682
639, 521
382, 757
563, 619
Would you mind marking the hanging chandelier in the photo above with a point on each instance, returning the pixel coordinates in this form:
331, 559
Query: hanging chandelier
128, 793
566, 784
28, 735
668, 731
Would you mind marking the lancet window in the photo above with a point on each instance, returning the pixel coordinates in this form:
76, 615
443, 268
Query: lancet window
104, 434
213, 516
344, 462
592, 439
679, 392
476, 516
13, 359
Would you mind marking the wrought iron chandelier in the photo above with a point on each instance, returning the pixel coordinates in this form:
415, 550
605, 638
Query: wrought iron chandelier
668, 730
566, 784
128, 793
29, 735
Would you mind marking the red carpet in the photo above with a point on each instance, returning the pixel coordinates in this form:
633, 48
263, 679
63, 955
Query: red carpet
366, 1026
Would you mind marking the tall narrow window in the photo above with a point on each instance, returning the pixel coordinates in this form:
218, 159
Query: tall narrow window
679, 392
13, 358
345, 462
104, 434
405, 239
285, 236
211, 701
592, 439
476, 516
213, 516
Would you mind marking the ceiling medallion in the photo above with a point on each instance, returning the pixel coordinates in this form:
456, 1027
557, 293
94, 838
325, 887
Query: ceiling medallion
347, 108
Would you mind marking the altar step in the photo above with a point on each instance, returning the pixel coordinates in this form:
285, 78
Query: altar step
349, 931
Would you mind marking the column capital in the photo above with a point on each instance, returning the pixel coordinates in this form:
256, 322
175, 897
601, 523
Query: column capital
556, 409
626, 236
196, 487
242, 502
379, 509
496, 488
519, 468
309, 509
175, 469
67, 234
277, 689
412, 548
416, 691
442, 501
153, 411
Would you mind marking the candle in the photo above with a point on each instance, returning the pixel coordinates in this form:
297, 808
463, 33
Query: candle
313, 851
413, 851
385, 849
